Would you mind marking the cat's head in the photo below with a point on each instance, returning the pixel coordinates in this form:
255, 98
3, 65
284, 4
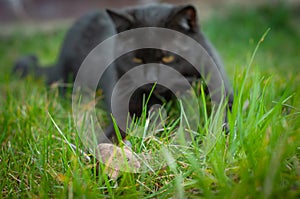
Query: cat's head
181, 18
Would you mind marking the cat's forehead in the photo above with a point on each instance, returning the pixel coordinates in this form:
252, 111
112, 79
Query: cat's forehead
151, 15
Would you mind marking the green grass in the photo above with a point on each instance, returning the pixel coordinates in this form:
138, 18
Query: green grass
260, 158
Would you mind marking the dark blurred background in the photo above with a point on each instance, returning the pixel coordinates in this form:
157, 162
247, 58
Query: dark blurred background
20, 11
29, 15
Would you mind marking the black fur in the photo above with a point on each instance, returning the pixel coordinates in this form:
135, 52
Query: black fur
96, 26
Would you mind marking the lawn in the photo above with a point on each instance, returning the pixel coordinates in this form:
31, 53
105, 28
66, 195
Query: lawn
259, 158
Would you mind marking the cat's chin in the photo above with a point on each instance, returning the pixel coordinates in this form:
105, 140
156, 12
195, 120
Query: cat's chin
158, 89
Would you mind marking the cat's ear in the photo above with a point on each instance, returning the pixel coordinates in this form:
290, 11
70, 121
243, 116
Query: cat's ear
186, 18
122, 22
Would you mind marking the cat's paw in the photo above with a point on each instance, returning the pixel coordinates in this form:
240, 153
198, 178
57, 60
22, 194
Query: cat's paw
25, 65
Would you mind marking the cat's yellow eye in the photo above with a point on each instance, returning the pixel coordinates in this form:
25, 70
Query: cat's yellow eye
168, 59
137, 60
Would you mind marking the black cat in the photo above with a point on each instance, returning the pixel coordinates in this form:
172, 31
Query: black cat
95, 27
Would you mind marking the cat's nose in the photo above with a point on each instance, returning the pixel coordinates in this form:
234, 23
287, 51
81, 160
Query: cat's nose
151, 73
